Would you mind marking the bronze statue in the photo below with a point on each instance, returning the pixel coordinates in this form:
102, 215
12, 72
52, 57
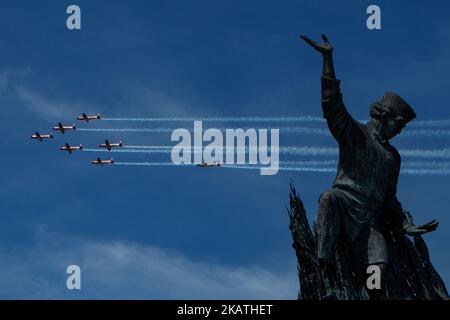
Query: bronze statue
363, 198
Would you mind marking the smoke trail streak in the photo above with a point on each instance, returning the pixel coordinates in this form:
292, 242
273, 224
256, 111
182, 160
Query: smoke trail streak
430, 123
405, 165
425, 133
304, 151
127, 151
426, 154
125, 130
223, 119
154, 164
308, 151
303, 130
426, 172
426, 164
313, 119
163, 130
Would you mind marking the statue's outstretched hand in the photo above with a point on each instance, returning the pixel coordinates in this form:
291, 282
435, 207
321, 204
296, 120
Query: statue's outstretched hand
324, 48
418, 230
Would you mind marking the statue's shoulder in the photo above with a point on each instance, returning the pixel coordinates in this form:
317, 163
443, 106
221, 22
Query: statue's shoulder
394, 151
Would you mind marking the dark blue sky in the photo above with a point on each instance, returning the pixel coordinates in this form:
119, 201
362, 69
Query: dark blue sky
144, 232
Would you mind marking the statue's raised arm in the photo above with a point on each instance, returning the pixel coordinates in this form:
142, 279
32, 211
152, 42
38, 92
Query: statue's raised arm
341, 124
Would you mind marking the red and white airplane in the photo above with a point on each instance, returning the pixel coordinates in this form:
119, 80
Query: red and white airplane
205, 165
69, 148
85, 117
109, 146
102, 162
63, 129
40, 137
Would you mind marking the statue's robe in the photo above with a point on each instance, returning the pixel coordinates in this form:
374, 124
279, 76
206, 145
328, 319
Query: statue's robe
363, 196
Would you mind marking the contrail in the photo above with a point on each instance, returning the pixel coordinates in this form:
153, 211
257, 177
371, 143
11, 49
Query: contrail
153, 164
303, 130
223, 119
307, 119
308, 151
128, 151
303, 151
126, 129
426, 164
426, 172
425, 133
430, 123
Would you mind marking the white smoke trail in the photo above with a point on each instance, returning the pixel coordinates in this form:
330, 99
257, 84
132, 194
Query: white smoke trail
153, 164
223, 119
426, 172
303, 151
127, 151
302, 130
126, 130
430, 123
426, 164
423, 172
306, 151
425, 133
312, 119
426, 153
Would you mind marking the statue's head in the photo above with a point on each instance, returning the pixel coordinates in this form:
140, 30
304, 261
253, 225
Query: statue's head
392, 114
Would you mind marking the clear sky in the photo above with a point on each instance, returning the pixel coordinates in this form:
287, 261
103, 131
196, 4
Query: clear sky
187, 232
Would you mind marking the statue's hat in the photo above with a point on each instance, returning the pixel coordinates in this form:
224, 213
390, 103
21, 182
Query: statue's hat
398, 106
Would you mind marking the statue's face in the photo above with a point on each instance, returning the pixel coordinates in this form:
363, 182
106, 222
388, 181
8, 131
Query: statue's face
392, 125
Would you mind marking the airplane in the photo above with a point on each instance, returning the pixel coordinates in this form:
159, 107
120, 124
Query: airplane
108, 145
69, 149
40, 137
85, 117
102, 162
205, 165
63, 129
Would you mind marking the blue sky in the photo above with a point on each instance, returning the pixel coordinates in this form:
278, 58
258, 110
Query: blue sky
144, 232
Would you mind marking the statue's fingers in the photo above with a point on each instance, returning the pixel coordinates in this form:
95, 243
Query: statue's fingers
433, 226
325, 38
431, 223
426, 224
308, 40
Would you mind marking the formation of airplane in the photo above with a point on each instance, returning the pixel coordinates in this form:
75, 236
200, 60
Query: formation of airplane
85, 117
102, 162
63, 129
109, 146
69, 148
206, 165
40, 137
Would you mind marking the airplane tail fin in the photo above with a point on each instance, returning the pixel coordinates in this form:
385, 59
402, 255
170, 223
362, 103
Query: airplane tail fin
98, 116
120, 144
81, 147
